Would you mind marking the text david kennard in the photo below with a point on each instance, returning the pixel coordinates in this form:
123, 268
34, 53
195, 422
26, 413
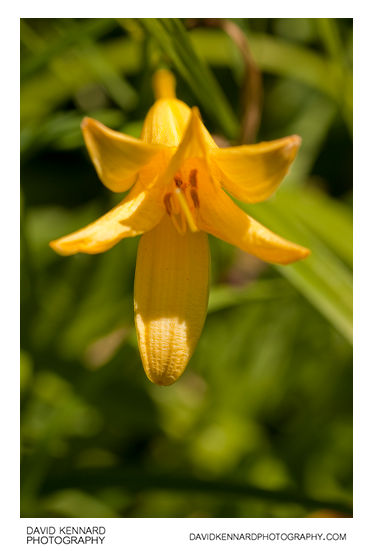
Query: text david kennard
42, 535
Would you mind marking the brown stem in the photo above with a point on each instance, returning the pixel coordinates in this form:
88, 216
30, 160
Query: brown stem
252, 90
252, 87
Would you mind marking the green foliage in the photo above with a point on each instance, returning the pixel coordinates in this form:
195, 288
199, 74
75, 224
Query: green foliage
260, 423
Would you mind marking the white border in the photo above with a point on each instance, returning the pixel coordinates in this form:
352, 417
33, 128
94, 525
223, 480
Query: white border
173, 533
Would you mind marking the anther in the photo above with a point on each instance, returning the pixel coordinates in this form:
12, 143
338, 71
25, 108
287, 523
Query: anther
178, 181
167, 203
195, 198
193, 177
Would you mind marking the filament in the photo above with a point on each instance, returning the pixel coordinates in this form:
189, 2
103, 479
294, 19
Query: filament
185, 208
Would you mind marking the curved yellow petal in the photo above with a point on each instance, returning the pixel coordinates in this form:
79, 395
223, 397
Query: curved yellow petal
197, 139
139, 212
253, 172
221, 217
116, 157
171, 293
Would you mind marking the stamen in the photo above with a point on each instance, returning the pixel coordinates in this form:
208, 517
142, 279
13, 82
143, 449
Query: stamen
193, 177
178, 181
167, 203
195, 198
186, 210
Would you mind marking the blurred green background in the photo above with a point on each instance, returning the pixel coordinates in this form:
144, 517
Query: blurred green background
260, 424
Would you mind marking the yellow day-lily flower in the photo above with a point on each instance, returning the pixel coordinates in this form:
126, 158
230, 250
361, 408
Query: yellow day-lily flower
178, 176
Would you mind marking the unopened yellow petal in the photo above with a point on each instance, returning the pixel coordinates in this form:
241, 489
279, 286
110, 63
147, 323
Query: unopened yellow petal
117, 157
219, 216
171, 292
165, 122
139, 212
253, 172
164, 84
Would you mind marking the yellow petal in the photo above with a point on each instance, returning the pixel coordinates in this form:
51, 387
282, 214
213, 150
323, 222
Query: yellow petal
197, 141
221, 217
171, 292
253, 172
117, 157
139, 212
165, 122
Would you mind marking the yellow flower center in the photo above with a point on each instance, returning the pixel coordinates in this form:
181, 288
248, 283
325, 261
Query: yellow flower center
181, 199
